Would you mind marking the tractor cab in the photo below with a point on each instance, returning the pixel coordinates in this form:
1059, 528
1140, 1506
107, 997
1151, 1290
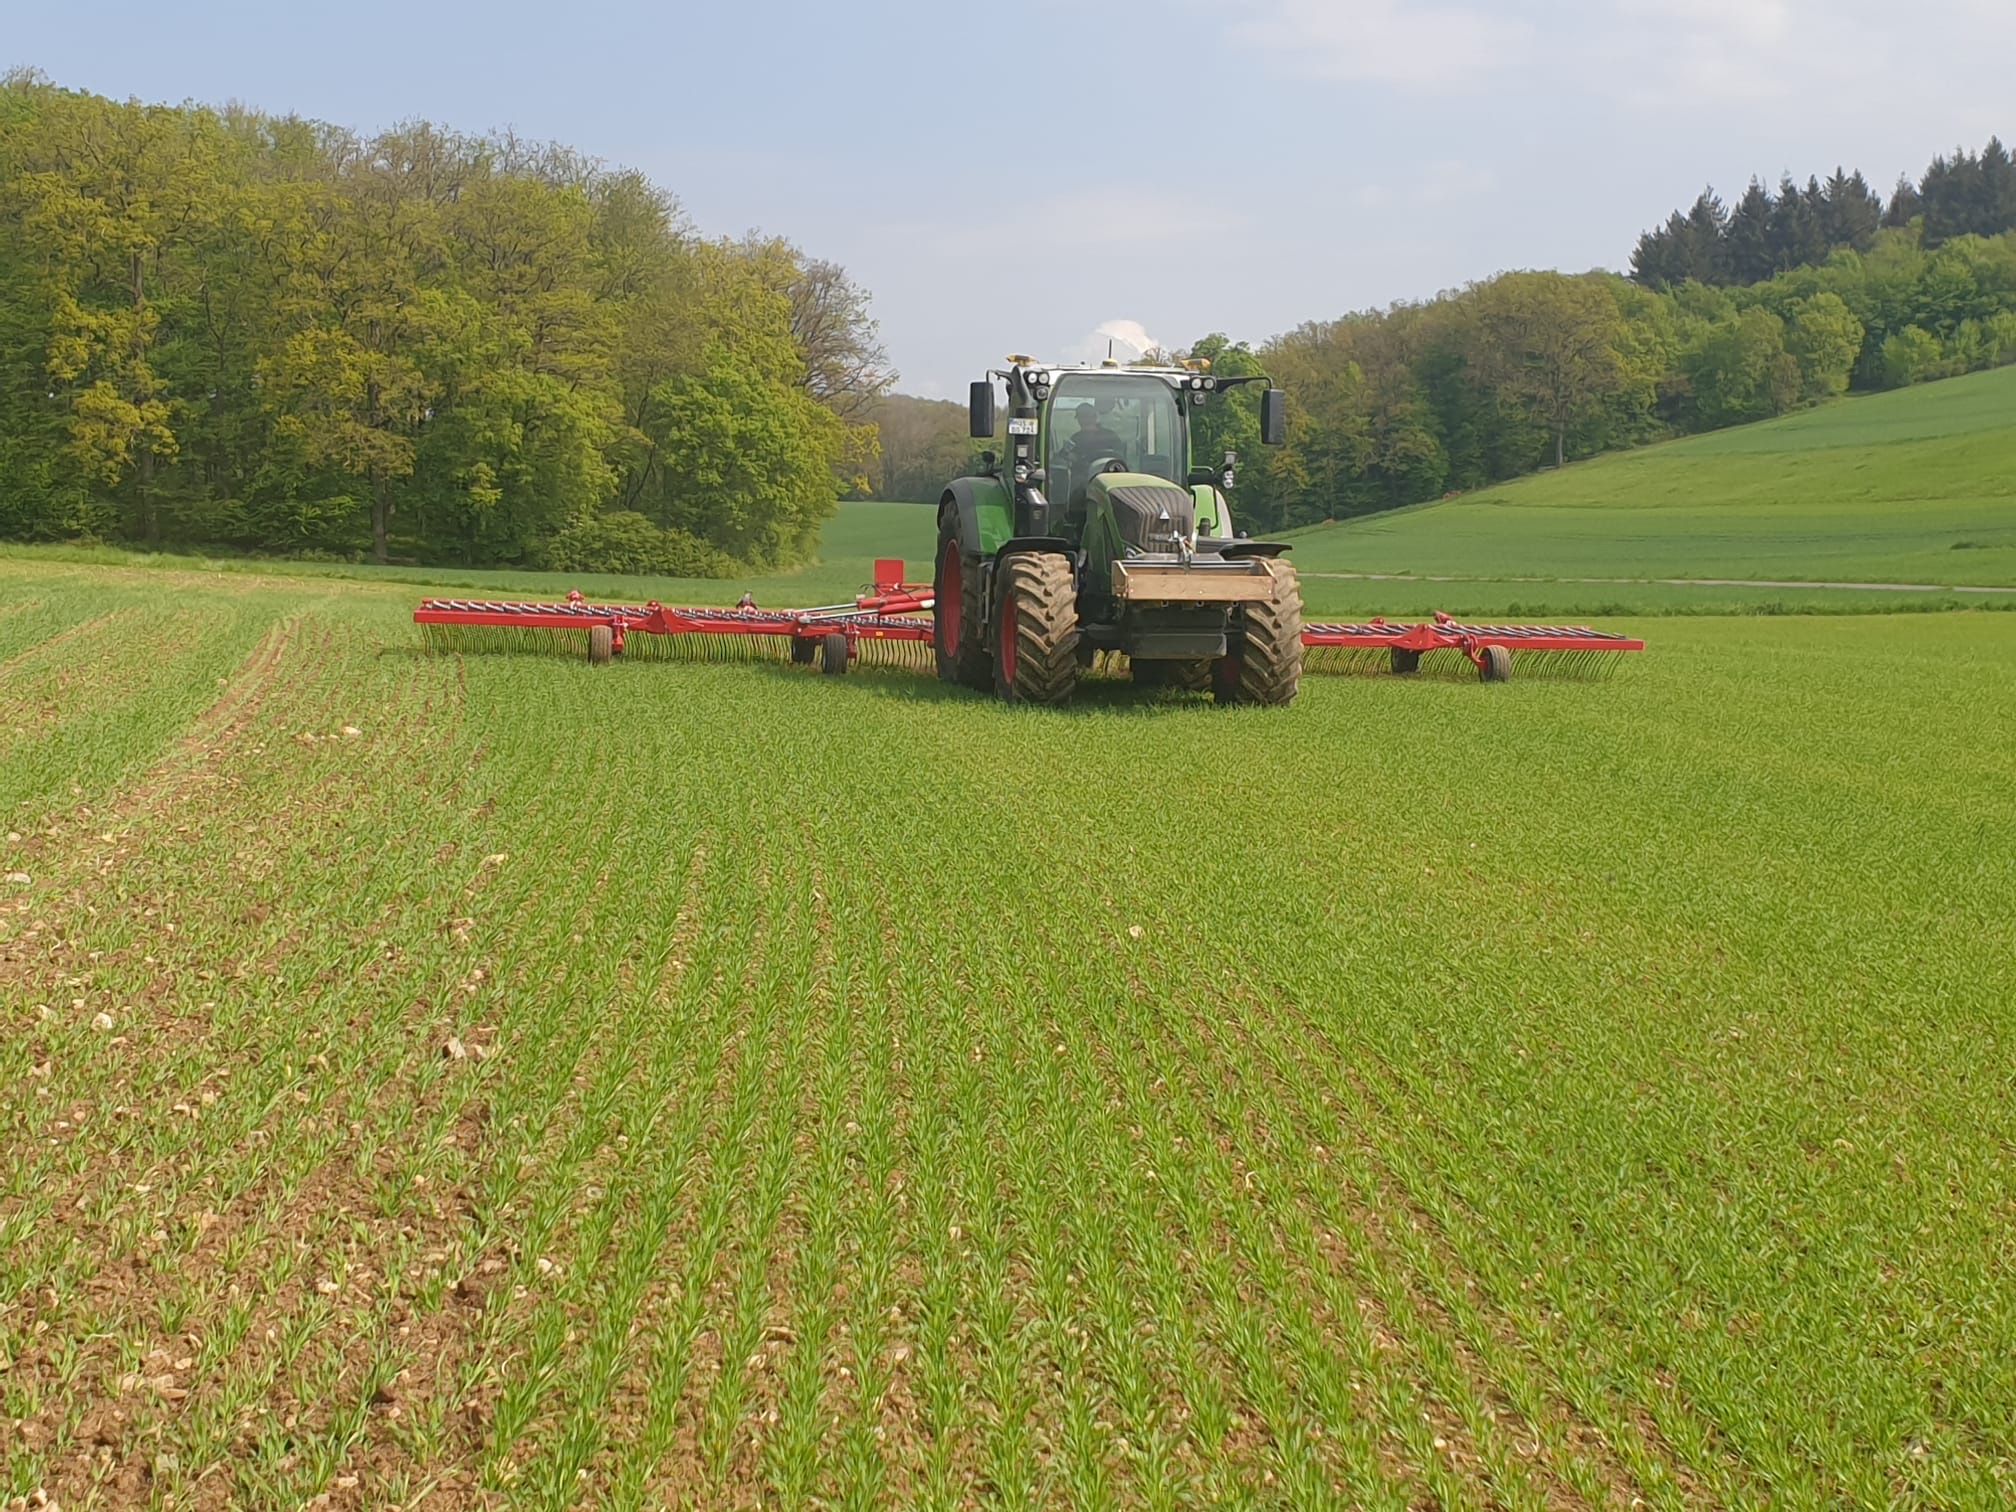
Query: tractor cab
1097, 420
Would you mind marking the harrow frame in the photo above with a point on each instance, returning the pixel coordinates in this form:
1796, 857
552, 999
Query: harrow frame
1406, 643
899, 611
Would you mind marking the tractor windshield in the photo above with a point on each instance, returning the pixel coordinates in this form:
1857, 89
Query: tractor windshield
1103, 415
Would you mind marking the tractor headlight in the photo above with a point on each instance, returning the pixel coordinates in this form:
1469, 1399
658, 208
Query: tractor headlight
1210, 383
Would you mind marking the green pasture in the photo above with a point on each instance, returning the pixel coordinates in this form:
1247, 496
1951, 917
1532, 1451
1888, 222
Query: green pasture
455, 1081
857, 534
1916, 486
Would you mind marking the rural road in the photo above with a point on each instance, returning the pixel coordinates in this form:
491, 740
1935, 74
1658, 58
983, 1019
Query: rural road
1409, 577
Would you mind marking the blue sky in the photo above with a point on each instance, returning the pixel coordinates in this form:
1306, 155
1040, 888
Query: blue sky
1019, 176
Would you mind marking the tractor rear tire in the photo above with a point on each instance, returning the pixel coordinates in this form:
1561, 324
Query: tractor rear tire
601, 645
957, 625
833, 654
1263, 651
1497, 665
1036, 630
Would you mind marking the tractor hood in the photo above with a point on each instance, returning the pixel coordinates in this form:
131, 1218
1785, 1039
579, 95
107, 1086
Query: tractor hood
1138, 501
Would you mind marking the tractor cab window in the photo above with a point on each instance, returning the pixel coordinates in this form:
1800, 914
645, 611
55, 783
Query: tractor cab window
1096, 417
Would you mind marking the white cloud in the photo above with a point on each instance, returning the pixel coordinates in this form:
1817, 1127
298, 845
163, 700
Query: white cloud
1129, 339
1386, 41
1070, 225
1789, 57
1442, 182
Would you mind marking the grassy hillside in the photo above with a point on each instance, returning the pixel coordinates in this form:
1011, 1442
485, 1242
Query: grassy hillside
1917, 486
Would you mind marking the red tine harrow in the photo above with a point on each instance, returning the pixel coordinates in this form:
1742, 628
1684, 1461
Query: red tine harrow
1378, 645
891, 625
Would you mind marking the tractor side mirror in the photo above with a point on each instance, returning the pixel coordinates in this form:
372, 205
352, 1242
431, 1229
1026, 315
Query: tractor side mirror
980, 410
1205, 476
1274, 417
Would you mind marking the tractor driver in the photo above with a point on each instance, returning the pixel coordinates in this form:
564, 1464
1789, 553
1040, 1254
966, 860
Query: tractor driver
1093, 440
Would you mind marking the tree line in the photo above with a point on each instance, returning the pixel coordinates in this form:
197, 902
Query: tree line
1967, 194
224, 328
1531, 369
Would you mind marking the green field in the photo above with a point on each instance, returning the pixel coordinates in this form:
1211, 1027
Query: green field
1917, 486
448, 1082
849, 545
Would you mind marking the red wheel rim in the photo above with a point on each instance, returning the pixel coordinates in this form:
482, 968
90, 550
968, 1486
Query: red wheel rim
1008, 641
950, 600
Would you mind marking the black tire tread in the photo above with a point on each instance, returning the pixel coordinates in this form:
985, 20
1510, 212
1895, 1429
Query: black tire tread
833, 654
1270, 661
971, 663
1046, 629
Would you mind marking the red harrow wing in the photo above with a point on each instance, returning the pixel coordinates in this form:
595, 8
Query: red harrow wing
1489, 648
891, 624
893, 615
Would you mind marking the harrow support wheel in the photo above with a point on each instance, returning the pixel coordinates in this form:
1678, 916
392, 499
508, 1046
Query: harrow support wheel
1404, 661
1036, 630
1496, 666
803, 649
956, 621
833, 654
601, 645
1262, 663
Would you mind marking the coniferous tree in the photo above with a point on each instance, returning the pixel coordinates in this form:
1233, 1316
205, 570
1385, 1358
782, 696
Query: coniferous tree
1752, 253
1997, 211
1906, 204
1652, 260
1852, 212
1704, 251
1954, 197
1796, 236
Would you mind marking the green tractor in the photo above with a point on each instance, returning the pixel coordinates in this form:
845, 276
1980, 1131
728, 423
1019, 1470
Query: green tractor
1100, 532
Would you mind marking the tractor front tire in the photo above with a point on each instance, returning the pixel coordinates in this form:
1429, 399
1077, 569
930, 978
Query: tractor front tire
601, 645
1263, 651
956, 621
1036, 630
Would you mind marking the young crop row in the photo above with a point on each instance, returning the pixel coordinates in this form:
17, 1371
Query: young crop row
444, 1081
